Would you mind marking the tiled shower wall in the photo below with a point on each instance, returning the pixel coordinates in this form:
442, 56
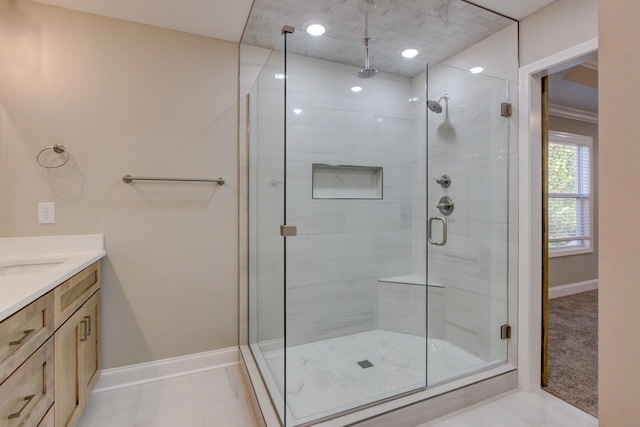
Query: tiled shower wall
345, 245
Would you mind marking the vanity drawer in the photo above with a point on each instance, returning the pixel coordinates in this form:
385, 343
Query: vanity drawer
27, 395
71, 294
23, 332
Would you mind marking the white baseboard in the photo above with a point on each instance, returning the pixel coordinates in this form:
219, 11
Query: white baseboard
572, 288
126, 376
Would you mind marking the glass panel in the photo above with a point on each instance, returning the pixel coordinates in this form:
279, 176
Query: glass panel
266, 212
355, 272
467, 276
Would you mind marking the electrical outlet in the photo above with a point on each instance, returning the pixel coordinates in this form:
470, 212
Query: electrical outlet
46, 213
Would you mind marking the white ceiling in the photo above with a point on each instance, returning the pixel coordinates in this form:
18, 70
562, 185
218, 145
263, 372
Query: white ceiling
572, 93
220, 19
225, 19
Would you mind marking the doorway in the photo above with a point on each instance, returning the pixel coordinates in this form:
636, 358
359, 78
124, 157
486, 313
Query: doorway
530, 252
569, 240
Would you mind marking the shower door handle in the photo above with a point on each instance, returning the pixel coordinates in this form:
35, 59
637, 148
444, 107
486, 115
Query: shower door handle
430, 231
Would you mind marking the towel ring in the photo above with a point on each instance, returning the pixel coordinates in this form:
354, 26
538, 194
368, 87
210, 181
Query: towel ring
57, 149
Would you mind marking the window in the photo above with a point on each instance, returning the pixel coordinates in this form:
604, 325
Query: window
569, 194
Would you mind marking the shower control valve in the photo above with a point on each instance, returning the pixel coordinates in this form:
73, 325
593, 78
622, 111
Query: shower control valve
444, 180
445, 205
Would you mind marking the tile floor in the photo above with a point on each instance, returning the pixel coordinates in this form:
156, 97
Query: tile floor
217, 398
518, 409
207, 399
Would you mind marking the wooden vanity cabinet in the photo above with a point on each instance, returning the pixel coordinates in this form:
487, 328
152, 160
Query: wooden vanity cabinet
50, 355
77, 351
77, 362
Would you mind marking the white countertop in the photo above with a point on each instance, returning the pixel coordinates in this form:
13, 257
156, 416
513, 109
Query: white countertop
68, 255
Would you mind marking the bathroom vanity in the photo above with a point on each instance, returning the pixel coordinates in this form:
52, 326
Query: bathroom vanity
49, 328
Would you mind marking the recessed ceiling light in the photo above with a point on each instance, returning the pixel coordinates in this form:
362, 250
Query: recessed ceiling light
297, 110
410, 53
356, 89
279, 76
476, 70
316, 29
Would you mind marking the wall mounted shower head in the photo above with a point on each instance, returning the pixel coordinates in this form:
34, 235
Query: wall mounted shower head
435, 106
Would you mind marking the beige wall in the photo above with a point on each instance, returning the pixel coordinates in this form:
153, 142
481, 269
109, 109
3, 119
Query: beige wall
565, 270
561, 25
128, 98
619, 321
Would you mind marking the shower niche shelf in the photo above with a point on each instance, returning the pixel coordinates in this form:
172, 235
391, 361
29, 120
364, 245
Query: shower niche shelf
346, 182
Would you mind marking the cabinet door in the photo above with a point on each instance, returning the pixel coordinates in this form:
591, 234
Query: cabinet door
67, 354
90, 346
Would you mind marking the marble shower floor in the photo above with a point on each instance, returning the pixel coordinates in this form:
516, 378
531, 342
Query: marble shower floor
325, 378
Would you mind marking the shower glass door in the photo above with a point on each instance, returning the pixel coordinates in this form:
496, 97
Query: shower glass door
467, 226
355, 310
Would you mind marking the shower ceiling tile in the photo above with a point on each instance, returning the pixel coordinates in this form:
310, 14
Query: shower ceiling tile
438, 28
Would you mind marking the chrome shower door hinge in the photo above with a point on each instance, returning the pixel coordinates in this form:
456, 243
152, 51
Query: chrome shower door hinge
506, 109
288, 230
505, 332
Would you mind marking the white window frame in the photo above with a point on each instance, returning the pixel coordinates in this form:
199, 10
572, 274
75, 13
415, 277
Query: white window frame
574, 139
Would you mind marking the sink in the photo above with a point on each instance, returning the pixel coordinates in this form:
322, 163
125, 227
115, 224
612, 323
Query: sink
28, 266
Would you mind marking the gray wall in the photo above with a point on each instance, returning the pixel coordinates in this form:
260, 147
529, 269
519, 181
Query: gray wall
584, 267
128, 98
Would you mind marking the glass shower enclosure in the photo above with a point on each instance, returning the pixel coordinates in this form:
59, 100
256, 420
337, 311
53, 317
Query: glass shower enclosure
378, 226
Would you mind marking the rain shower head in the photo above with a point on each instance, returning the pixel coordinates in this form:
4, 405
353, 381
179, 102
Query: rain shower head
367, 72
435, 106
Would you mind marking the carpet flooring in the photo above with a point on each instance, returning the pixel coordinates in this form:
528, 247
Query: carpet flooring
573, 350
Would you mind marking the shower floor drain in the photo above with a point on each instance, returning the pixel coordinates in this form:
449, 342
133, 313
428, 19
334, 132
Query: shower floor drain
364, 364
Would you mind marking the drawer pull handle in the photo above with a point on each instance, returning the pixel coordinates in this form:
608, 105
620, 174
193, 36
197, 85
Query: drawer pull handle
26, 335
84, 330
27, 400
88, 318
